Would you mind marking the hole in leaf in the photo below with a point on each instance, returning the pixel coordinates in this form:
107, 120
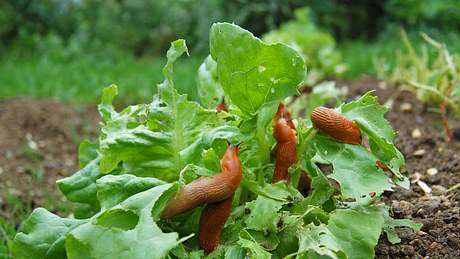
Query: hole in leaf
122, 219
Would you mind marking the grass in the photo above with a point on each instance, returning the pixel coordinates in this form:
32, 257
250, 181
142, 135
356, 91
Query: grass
359, 55
80, 80
19, 207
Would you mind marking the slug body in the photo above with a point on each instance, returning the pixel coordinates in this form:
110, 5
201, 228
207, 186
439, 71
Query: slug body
208, 189
336, 125
213, 219
285, 135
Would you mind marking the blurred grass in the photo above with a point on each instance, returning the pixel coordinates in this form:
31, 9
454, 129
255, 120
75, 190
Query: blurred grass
359, 55
81, 79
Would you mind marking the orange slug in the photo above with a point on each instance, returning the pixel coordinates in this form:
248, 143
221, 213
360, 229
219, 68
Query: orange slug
208, 189
222, 106
213, 219
336, 125
285, 135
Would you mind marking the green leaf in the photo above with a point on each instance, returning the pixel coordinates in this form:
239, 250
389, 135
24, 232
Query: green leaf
391, 224
350, 232
113, 189
320, 186
369, 115
87, 152
264, 214
253, 249
125, 227
252, 72
126, 230
209, 89
81, 188
42, 235
105, 108
354, 168
160, 139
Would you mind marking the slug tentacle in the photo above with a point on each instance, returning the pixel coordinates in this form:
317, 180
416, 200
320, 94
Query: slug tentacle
336, 125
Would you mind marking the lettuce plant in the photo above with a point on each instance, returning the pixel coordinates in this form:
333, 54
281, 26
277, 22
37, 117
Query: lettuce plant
146, 152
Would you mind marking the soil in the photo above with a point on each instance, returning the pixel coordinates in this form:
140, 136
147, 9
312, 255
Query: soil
438, 165
38, 145
38, 141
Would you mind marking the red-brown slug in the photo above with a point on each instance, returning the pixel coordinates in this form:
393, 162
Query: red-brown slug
336, 125
208, 189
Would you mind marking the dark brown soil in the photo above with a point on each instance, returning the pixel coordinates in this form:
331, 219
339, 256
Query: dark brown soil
439, 211
38, 144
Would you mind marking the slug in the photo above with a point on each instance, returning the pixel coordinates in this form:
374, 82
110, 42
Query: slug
213, 219
285, 135
208, 189
222, 106
336, 125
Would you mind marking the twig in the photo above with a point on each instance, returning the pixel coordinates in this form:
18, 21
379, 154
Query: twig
456, 186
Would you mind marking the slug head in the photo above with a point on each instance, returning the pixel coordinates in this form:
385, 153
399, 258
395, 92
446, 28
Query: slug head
230, 162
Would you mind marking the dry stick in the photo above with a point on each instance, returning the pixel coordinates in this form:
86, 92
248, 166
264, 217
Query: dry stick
442, 110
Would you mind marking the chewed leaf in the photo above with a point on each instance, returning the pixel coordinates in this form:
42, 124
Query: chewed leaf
252, 72
391, 224
254, 250
369, 115
350, 233
354, 168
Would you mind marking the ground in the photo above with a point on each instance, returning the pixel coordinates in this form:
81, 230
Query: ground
439, 211
38, 145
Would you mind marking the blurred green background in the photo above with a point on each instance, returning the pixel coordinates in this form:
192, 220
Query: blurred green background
71, 49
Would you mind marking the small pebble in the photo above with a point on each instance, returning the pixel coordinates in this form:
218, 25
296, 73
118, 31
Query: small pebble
416, 133
406, 107
419, 152
438, 189
432, 171
383, 85
421, 233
